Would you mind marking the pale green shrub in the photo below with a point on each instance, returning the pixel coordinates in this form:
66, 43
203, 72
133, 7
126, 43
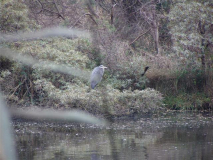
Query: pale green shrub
59, 51
141, 101
119, 103
14, 17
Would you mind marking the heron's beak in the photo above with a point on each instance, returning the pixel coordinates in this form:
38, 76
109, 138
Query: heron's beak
103, 67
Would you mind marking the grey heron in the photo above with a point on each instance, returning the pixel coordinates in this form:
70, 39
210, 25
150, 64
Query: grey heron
97, 75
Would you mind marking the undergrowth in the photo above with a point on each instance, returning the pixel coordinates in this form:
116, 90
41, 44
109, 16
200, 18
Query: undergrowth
34, 85
184, 101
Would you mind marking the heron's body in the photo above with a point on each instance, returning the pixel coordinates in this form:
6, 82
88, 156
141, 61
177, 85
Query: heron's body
97, 75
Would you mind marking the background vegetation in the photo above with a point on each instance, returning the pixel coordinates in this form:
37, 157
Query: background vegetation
173, 38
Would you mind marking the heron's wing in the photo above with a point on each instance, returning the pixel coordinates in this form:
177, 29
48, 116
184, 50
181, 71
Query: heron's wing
93, 84
97, 74
96, 77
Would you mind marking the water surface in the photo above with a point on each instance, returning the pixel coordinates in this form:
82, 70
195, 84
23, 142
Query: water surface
175, 136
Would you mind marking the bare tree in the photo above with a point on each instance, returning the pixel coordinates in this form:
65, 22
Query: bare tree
149, 13
54, 12
135, 19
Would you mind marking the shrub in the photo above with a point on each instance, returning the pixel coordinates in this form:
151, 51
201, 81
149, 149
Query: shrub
14, 17
184, 101
128, 74
145, 101
58, 50
119, 103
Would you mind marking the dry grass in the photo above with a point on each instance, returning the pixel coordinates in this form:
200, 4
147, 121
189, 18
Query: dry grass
161, 66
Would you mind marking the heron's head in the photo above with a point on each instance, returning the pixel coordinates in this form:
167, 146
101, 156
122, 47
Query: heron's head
102, 66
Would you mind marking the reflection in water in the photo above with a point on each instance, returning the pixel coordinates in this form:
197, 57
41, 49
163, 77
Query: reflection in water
178, 136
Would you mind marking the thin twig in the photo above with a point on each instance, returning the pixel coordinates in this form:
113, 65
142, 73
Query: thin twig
47, 10
86, 14
58, 10
17, 88
139, 36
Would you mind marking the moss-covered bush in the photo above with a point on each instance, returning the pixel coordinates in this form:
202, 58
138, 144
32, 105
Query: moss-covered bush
14, 17
57, 50
141, 101
118, 103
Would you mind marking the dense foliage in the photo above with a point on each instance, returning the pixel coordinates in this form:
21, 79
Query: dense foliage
191, 28
14, 17
173, 39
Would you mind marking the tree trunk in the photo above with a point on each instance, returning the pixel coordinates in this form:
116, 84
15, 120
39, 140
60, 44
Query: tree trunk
156, 38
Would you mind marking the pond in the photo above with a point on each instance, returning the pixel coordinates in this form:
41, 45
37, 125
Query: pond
176, 136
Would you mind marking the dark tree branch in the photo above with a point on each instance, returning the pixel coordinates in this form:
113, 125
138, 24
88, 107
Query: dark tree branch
139, 36
47, 10
112, 13
58, 10
86, 14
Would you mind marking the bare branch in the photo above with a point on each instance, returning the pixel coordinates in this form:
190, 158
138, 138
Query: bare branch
50, 11
58, 10
86, 14
139, 36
